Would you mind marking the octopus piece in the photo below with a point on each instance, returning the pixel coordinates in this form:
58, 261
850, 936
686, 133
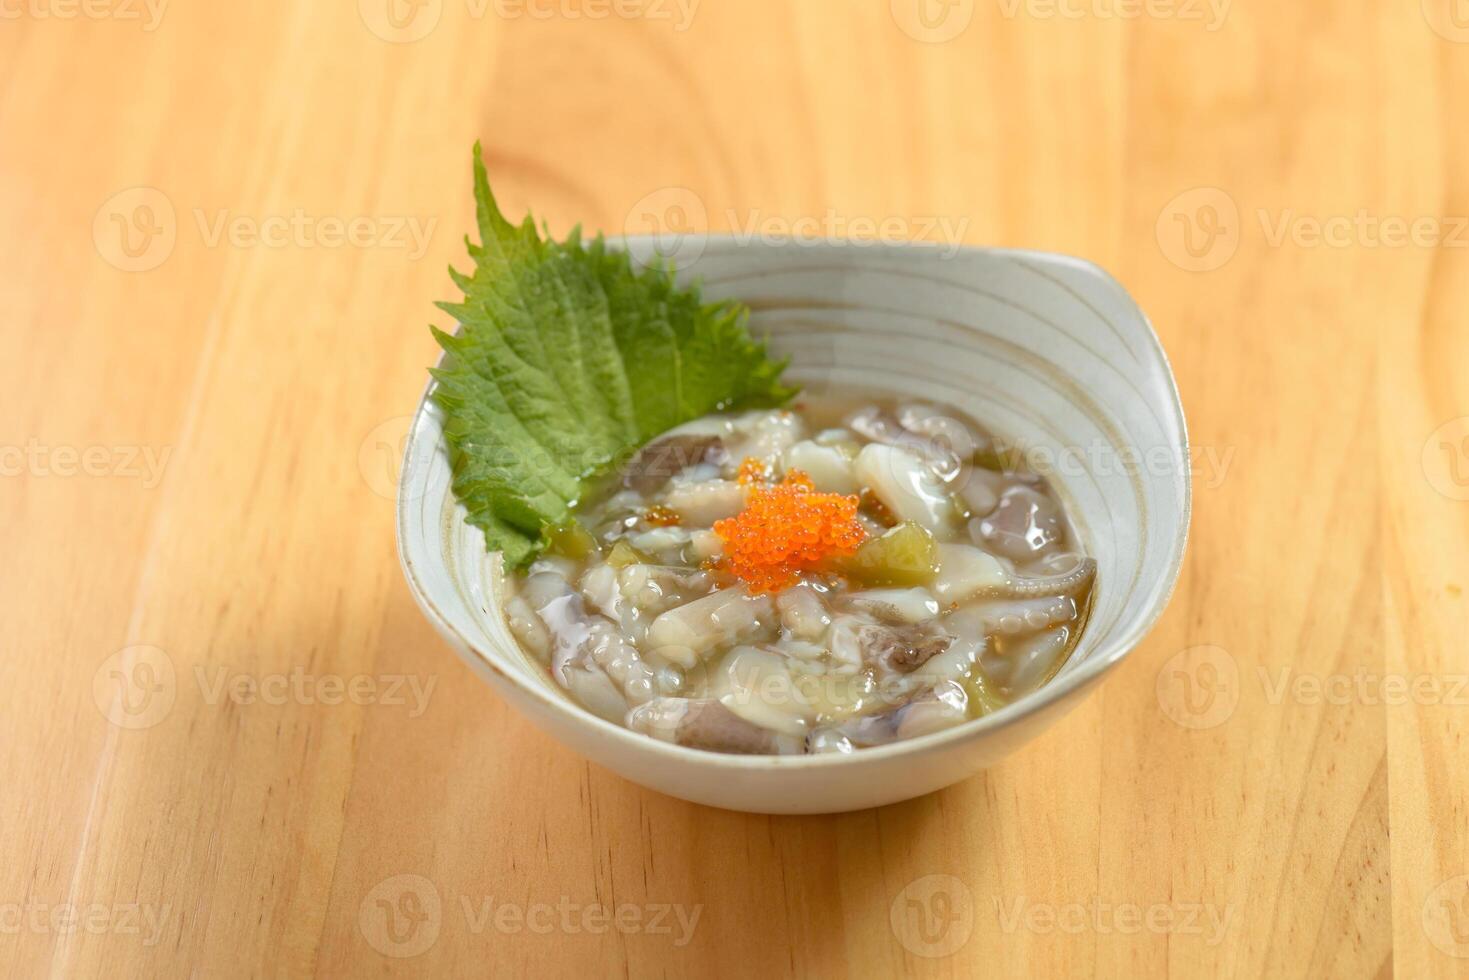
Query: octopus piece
1068, 583
658, 588
662, 459
587, 644
937, 449
906, 486
704, 723
1021, 665
685, 634
1013, 617
824, 740
895, 605
942, 706
902, 649
1025, 525
829, 467
767, 435
701, 503
802, 613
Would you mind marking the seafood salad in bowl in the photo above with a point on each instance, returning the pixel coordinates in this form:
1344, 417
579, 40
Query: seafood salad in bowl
821, 578
793, 528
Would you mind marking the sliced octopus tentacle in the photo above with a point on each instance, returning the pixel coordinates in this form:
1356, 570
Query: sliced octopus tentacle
1064, 584
583, 641
705, 723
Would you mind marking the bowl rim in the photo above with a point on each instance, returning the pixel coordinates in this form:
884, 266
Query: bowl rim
1046, 696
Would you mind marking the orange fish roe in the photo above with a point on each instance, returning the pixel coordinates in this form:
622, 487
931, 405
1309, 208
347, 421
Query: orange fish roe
785, 529
752, 471
661, 516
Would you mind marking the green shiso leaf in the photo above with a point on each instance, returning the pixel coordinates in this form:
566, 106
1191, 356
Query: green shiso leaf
567, 359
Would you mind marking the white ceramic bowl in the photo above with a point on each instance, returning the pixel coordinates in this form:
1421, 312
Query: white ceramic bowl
1048, 352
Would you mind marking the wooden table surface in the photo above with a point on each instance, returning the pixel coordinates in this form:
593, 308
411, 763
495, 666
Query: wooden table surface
232, 745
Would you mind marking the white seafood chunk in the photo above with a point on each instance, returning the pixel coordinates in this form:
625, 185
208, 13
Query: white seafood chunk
660, 539
701, 504
801, 652
829, 740
689, 632
1024, 525
946, 707
906, 486
954, 664
528, 628
980, 489
828, 466
1034, 658
1012, 617
599, 585
706, 545
943, 706
935, 447
586, 644
704, 723
595, 691
949, 440
802, 613
897, 605
767, 435
844, 641
965, 570
757, 687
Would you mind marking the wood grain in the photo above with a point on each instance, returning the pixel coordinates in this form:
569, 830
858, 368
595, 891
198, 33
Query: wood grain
1280, 813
